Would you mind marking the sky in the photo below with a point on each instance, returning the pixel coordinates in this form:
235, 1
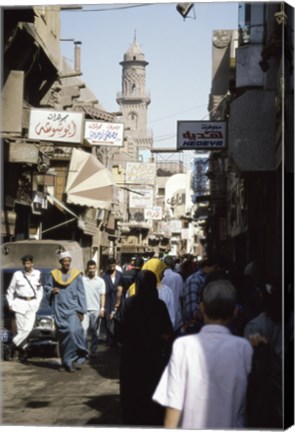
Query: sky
178, 50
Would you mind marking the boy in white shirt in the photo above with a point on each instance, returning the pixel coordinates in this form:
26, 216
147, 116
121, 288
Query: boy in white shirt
204, 385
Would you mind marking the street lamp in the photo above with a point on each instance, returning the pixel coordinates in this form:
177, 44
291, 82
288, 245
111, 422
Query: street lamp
184, 9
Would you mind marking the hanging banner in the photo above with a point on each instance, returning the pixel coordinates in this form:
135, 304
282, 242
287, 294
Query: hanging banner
142, 199
140, 173
59, 126
154, 213
105, 134
201, 135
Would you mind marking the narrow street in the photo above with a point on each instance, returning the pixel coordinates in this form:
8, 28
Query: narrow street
37, 394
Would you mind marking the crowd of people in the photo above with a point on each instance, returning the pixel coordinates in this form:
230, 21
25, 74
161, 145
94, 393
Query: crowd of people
200, 347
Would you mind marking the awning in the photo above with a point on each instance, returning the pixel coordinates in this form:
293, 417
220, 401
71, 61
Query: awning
89, 183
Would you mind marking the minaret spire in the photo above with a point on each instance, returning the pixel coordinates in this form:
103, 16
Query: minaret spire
134, 35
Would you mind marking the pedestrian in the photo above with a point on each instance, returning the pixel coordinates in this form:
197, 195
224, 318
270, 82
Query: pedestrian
65, 292
131, 265
114, 289
178, 265
189, 266
192, 292
95, 300
24, 296
205, 382
158, 266
145, 333
265, 386
269, 322
173, 279
129, 275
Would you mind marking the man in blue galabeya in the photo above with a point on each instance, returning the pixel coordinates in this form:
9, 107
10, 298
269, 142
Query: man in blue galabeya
65, 291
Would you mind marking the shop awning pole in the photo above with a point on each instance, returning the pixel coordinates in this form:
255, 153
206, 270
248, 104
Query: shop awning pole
62, 205
59, 225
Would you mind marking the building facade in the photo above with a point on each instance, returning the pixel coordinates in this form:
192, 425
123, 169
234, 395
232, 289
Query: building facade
252, 91
35, 159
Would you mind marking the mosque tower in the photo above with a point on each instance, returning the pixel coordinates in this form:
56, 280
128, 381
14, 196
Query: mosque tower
133, 101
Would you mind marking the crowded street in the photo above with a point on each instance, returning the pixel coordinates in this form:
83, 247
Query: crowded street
147, 215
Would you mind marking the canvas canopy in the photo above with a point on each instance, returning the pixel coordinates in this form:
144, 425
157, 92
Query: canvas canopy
89, 182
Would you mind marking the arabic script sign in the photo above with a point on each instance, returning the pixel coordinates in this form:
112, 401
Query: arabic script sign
201, 135
142, 199
140, 173
153, 213
61, 126
108, 134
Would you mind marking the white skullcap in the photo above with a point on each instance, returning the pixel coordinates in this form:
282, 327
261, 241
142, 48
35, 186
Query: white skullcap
64, 255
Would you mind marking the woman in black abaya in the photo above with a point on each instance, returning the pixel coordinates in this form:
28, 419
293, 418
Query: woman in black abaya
145, 334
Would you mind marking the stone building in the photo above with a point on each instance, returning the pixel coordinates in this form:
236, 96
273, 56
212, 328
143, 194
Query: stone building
37, 82
252, 91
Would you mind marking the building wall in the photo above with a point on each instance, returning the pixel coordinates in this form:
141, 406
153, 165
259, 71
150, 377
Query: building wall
47, 24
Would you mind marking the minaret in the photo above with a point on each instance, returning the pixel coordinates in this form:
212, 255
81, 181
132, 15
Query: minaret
134, 100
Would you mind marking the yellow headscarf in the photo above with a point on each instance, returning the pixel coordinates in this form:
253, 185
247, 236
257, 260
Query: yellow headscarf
155, 265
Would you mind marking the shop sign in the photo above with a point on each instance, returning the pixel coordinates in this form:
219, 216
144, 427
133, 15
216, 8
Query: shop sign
104, 134
90, 226
154, 213
23, 152
140, 173
201, 135
56, 126
142, 199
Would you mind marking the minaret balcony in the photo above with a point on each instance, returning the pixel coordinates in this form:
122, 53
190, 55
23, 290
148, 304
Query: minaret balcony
133, 98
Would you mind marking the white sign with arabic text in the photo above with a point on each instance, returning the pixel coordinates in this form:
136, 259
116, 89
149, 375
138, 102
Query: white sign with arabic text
202, 135
59, 126
106, 134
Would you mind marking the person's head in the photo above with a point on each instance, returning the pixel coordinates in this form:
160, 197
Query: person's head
219, 301
169, 261
146, 284
65, 260
111, 265
27, 261
157, 266
138, 262
216, 262
91, 268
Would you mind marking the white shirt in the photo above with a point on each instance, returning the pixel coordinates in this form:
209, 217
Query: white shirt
166, 294
19, 286
206, 379
174, 281
93, 289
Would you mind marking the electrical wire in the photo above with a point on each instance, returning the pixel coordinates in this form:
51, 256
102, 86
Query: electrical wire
110, 9
173, 135
180, 112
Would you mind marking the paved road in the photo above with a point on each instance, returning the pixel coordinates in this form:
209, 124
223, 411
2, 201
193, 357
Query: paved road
37, 394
